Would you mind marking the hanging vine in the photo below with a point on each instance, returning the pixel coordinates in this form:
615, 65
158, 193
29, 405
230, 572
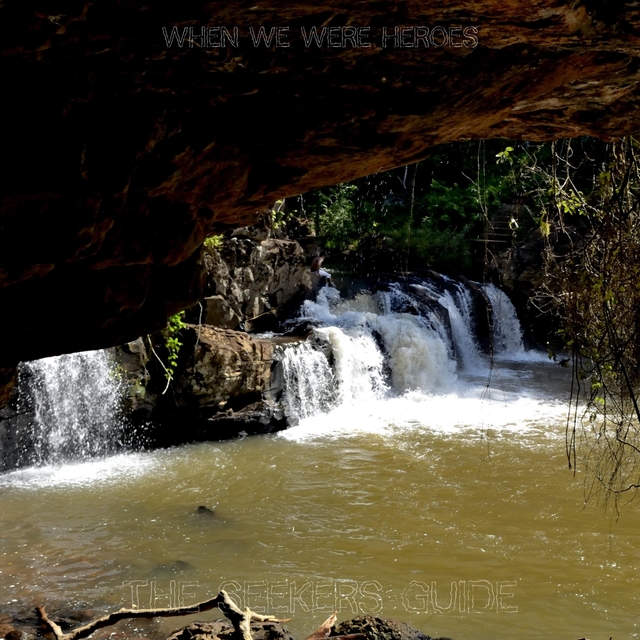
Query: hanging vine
592, 264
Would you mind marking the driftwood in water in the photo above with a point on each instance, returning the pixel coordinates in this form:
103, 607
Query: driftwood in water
240, 620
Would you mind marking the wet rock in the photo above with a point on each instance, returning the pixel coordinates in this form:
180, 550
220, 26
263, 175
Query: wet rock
69, 618
205, 512
227, 382
258, 417
8, 381
7, 630
17, 437
265, 322
201, 631
300, 327
217, 312
380, 629
223, 629
132, 360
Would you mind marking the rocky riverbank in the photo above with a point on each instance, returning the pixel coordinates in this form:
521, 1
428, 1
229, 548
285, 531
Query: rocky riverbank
360, 628
224, 376
227, 381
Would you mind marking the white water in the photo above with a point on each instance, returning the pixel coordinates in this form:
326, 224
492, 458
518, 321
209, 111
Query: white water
507, 332
308, 381
405, 468
77, 406
394, 367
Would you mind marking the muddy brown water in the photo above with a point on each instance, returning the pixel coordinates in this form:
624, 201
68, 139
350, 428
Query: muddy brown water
454, 513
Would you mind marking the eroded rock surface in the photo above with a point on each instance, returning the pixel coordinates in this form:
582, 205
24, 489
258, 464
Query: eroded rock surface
226, 364
122, 152
250, 280
228, 383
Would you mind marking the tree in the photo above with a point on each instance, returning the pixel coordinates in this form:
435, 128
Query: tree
593, 283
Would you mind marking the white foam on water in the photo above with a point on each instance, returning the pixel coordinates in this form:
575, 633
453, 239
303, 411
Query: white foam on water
474, 408
370, 337
115, 469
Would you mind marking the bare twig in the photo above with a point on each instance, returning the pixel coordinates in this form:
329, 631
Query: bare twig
324, 629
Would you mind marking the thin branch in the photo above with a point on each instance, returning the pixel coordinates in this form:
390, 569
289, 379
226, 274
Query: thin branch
239, 619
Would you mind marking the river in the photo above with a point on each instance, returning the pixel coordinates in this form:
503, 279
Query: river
450, 508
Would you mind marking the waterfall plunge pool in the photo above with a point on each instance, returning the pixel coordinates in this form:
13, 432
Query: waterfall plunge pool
450, 508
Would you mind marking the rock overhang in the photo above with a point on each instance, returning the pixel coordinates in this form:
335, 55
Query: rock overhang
124, 151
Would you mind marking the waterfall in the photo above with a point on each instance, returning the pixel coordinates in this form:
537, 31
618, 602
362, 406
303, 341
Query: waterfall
309, 386
77, 405
412, 337
458, 305
358, 365
507, 332
418, 357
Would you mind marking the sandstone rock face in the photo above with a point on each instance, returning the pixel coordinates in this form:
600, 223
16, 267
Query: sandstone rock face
228, 384
248, 278
225, 364
123, 151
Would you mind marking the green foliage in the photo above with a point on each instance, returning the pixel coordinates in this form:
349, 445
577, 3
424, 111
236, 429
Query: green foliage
173, 343
278, 215
335, 215
505, 156
214, 242
429, 213
593, 283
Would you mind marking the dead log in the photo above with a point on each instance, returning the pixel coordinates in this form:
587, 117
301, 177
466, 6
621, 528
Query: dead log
240, 620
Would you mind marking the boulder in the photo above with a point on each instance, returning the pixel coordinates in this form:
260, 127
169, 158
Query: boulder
380, 629
217, 312
224, 365
248, 277
223, 629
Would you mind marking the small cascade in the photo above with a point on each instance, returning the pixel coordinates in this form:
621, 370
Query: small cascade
462, 326
358, 365
418, 357
425, 305
309, 385
507, 332
77, 403
456, 299
417, 336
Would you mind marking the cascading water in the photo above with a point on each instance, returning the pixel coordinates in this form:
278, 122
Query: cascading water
416, 337
358, 365
507, 332
455, 298
417, 356
77, 403
308, 382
